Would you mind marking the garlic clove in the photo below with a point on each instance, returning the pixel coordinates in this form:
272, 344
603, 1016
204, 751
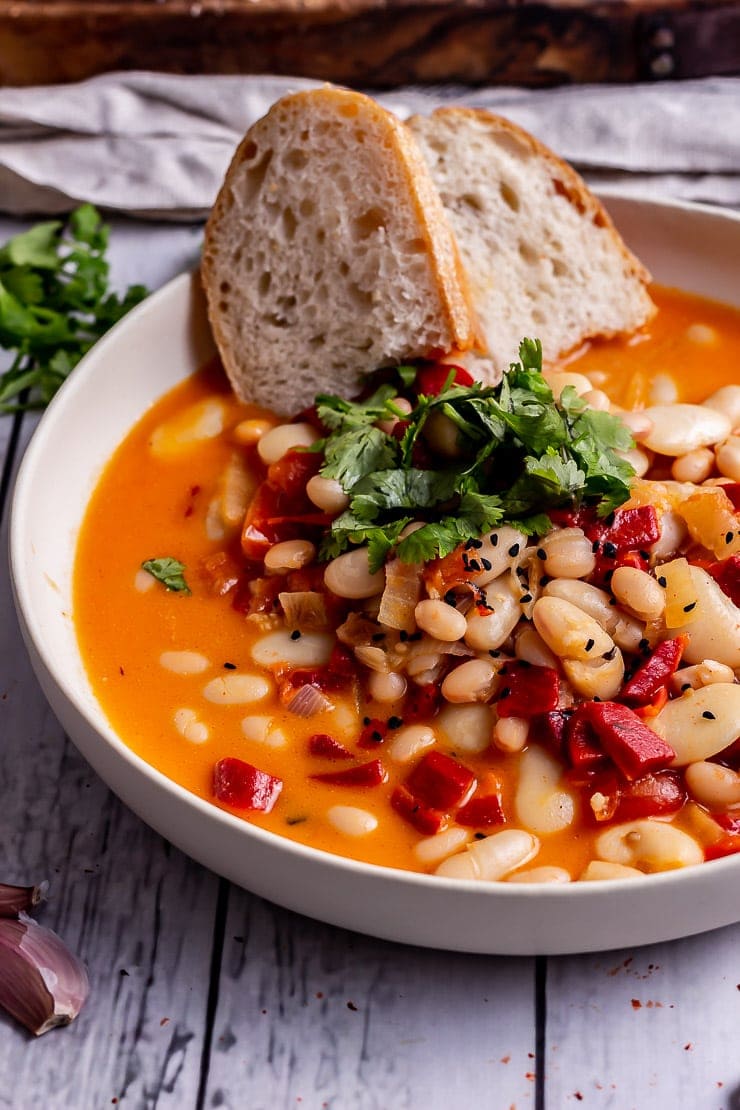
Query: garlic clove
13, 899
42, 983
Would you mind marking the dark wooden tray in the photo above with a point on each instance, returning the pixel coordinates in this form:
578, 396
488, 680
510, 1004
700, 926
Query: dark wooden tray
373, 42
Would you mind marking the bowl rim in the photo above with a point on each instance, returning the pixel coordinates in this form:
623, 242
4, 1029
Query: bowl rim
21, 576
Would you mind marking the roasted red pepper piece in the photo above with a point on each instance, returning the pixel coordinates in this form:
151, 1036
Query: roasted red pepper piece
220, 573
727, 576
326, 747
422, 703
481, 813
364, 774
732, 489
423, 818
728, 821
243, 786
582, 749
526, 691
430, 379
727, 846
651, 796
630, 530
373, 733
634, 747
653, 708
291, 473
549, 730
440, 781
655, 673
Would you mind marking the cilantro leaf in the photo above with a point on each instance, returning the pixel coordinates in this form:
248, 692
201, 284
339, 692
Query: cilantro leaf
357, 453
170, 572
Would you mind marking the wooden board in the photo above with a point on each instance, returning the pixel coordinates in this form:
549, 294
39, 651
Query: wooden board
373, 43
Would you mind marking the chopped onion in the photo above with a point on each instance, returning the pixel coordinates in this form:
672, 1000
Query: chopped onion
373, 657
14, 899
42, 984
304, 609
401, 595
357, 630
307, 701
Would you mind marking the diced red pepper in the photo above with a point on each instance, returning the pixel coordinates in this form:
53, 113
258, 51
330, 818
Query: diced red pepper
651, 796
326, 747
727, 576
291, 473
373, 733
549, 730
655, 673
630, 530
426, 820
728, 821
526, 691
634, 747
439, 781
583, 751
364, 774
727, 846
653, 708
220, 573
422, 703
243, 786
481, 813
430, 379
342, 663
732, 489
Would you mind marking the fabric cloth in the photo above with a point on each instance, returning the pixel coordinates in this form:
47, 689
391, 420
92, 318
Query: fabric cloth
157, 145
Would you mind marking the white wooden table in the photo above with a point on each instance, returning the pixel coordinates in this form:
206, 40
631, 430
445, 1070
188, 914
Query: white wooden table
205, 996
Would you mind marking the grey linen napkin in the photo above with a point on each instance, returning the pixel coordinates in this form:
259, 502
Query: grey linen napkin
157, 145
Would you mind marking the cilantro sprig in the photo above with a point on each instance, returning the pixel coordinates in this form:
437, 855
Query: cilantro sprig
170, 572
521, 453
55, 303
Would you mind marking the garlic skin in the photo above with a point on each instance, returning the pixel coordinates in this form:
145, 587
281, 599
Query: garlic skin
42, 983
14, 899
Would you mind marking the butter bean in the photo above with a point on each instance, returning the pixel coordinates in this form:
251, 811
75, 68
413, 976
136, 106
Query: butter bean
715, 786
541, 804
650, 845
490, 859
701, 723
678, 429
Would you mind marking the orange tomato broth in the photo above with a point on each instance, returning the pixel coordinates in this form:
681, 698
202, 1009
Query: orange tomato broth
145, 507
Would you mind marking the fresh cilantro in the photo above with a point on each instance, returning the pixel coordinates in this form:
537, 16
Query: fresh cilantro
54, 304
170, 572
520, 453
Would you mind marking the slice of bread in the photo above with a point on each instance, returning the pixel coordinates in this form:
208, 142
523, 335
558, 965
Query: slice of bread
542, 255
328, 253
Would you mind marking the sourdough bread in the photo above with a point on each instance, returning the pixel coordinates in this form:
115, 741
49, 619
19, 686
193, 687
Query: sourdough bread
542, 255
328, 253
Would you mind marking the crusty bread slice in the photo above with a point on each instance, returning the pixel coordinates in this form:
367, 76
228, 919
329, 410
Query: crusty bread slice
328, 253
543, 257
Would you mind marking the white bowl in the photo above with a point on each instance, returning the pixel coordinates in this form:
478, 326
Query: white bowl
150, 351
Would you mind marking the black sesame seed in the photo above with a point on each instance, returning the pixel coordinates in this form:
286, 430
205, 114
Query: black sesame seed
662, 581
366, 720
610, 550
644, 555
545, 579
729, 537
514, 550
229, 666
376, 736
525, 598
493, 653
708, 716
479, 836
477, 544
595, 546
295, 634
395, 722
610, 654
505, 692
451, 597
596, 697
378, 636
486, 564
541, 553
589, 645
403, 636
686, 686
643, 644
689, 607
473, 564
494, 539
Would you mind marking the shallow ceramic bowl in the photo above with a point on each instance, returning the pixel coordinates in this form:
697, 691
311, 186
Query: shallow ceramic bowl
148, 353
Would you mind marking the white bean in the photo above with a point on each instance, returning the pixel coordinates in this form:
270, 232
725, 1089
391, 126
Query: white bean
695, 466
237, 689
351, 820
638, 592
715, 631
498, 552
598, 870
728, 458
510, 734
327, 494
486, 632
715, 786
541, 875
530, 647
289, 555
279, 440
440, 620
184, 662
386, 687
649, 845
433, 849
625, 630
410, 741
201, 421
726, 400
473, 680
639, 424
248, 432
490, 859
639, 460
540, 802
261, 730
702, 334
558, 380
466, 728
701, 674
144, 581
701, 723
663, 390
349, 576
591, 660
597, 399
310, 649
188, 725
568, 553
678, 429
673, 532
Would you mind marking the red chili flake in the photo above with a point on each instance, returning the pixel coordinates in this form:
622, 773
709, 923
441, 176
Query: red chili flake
364, 774
531, 690
481, 813
439, 781
243, 786
655, 673
326, 747
423, 818
633, 746
373, 733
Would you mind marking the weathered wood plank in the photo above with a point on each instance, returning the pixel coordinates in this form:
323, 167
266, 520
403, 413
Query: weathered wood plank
654, 1027
313, 1016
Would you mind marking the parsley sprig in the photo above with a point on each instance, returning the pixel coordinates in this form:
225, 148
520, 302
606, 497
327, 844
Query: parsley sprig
521, 454
54, 304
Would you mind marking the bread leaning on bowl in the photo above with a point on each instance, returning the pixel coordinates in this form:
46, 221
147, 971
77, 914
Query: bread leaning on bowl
328, 253
542, 255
